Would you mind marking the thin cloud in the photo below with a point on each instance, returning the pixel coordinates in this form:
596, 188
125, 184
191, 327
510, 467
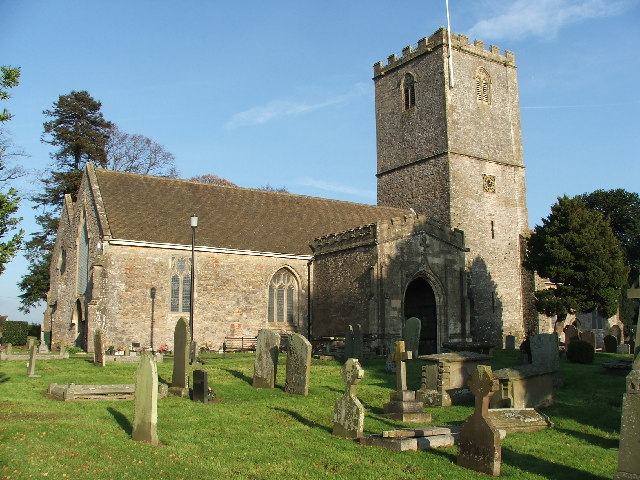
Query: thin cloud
543, 18
276, 109
335, 187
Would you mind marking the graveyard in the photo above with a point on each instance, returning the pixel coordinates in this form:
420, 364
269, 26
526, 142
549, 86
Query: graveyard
244, 432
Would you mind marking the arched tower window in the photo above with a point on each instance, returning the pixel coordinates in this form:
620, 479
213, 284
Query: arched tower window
283, 296
483, 86
408, 91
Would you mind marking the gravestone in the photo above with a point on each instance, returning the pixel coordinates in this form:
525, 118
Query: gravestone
200, 386
31, 370
479, 447
358, 344
412, 328
403, 405
145, 416
298, 365
616, 331
180, 378
628, 458
545, 351
348, 412
98, 348
589, 337
624, 348
63, 351
510, 342
349, 351
31, 341
8, 349
635, 293
610, 343
265, 366
570, 334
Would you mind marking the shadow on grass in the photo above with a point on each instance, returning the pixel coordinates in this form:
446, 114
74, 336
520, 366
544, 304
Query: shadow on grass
544, 468
606, 443
240, 375
302, 420
332, 389
371, 408
122, 420
4, 378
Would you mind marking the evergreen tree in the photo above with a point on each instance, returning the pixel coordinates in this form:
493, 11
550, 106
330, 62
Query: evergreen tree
576, 249
9, 243
80, 132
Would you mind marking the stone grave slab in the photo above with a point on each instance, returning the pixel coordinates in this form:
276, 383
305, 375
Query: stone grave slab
180, 378
72, 392
519, 419
412, 328
545, 351
348, 412
145, 417
445, 378
298, 365
479, 447
266, 362
523, 386
31, 369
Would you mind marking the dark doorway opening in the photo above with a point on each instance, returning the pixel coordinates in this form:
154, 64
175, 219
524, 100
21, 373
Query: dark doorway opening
420, 302
81, 327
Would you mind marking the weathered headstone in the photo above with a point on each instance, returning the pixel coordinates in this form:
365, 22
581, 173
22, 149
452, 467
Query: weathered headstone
200, 386
348, 343
610, 344
145, 416
510, 342
180, 378
403, 405
8, 349
589, 337
63, 350
31, 371
479, 447
628, 458
545, 350
265, 366
623, 348
348, 412
31, 341
358, 344
98, 348
298, 365
412, 328
570, 334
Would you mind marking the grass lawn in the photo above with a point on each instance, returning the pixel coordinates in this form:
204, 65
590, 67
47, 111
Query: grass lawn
266, 434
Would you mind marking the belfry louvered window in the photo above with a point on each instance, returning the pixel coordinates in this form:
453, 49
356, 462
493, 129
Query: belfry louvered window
83, 259
180, 285
483, 86
408, 91
283, 291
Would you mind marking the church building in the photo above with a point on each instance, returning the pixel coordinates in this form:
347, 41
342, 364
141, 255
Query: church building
443, 244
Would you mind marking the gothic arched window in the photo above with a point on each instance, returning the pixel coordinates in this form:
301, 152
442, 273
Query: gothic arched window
283, 297
408, 91
83, 258
180, 285
483, 86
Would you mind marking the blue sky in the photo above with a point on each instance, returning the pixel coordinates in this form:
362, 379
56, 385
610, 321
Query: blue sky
280, 92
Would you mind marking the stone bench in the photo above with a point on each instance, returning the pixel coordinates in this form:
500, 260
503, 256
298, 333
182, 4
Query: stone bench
523, 386
445, 378
72, 392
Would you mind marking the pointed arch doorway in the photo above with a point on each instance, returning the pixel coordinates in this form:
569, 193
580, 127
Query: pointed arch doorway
80, 326
420, 302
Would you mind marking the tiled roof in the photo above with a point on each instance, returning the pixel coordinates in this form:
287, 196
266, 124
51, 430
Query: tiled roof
157, 210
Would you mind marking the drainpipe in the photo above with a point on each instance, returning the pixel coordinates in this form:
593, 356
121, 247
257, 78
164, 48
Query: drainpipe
309, 299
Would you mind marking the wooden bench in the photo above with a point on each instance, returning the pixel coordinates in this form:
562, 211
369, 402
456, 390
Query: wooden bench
239, 344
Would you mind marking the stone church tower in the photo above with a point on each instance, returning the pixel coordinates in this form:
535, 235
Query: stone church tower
454, 153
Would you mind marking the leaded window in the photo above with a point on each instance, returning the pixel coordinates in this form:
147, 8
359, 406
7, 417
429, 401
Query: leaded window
483, 86
180, 300
283, 291
408, 91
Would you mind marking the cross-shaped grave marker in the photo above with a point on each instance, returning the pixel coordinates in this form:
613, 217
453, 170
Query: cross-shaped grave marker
348, 412
400, 358
480, 447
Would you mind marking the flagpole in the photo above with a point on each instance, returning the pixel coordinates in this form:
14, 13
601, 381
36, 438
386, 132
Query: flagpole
451, 82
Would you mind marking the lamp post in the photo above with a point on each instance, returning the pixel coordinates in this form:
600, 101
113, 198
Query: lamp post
153, 305
194, 225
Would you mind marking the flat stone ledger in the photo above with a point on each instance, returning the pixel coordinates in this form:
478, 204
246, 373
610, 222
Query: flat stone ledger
73, 392
181, 342
145, 417
265, 367
628, 458
98, 349
512, 420
348, 412
407, 440
200, 386
405, 408
523, 386
445, 378
298, 365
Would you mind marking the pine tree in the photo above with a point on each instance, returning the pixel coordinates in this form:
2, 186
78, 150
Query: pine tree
79, 130
577, 251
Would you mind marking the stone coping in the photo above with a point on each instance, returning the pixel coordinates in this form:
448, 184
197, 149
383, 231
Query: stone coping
455, 357
522, 371
39, 356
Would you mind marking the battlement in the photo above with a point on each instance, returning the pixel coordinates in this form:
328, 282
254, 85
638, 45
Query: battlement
355, 237
438, 39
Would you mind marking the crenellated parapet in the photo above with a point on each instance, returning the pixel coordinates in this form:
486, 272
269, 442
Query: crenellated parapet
438, 39
355, 237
